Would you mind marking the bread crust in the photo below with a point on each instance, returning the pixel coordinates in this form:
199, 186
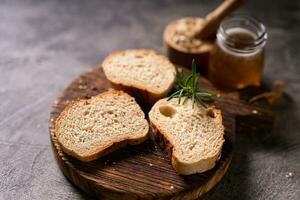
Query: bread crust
99, 152
185, 168
141, 93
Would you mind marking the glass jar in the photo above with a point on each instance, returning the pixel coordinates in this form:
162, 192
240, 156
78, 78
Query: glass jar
237, 59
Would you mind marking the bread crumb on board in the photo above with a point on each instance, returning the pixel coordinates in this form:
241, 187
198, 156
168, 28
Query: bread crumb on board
289, 175
83, 87
211, 113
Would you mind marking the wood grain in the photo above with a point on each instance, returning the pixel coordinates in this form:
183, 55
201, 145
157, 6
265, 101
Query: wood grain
143, 171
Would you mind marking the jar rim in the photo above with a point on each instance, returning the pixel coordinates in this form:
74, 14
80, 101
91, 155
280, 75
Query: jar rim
246, 21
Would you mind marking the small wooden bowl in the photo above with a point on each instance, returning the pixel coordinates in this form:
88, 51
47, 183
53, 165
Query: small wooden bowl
181, 55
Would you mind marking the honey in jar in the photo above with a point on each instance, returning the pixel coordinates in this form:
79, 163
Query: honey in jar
237, 59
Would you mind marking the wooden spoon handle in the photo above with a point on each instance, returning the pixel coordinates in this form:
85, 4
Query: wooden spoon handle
213, 19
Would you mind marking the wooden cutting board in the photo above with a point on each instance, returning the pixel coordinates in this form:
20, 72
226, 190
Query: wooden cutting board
144, 171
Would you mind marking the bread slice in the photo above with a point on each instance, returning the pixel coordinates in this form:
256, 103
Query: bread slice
144, 73
192, 137
89, 129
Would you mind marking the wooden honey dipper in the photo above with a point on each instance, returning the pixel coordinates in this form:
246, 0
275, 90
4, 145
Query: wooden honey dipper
193, 38
213, 19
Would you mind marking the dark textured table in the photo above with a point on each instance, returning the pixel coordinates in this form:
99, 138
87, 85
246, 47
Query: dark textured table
46, 44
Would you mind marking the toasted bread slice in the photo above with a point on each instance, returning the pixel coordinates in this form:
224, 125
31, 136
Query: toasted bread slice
89, 129
192, 137
144, 73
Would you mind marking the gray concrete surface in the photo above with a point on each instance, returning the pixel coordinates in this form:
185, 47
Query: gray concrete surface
46, 44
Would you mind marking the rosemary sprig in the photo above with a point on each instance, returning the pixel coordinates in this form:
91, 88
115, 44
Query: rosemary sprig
187, 86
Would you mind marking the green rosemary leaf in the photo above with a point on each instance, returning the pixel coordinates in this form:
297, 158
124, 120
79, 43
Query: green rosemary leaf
195, 84
180, 85
180, 95
201, 101
187, 86
188, 81
193, 100
206, 94
173, 95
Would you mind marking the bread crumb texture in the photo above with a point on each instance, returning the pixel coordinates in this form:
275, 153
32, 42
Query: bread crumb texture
89, 126
194, 134
140, 68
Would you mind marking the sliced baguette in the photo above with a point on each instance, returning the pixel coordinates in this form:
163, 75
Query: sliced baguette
89, 129
192, 137
144, 73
